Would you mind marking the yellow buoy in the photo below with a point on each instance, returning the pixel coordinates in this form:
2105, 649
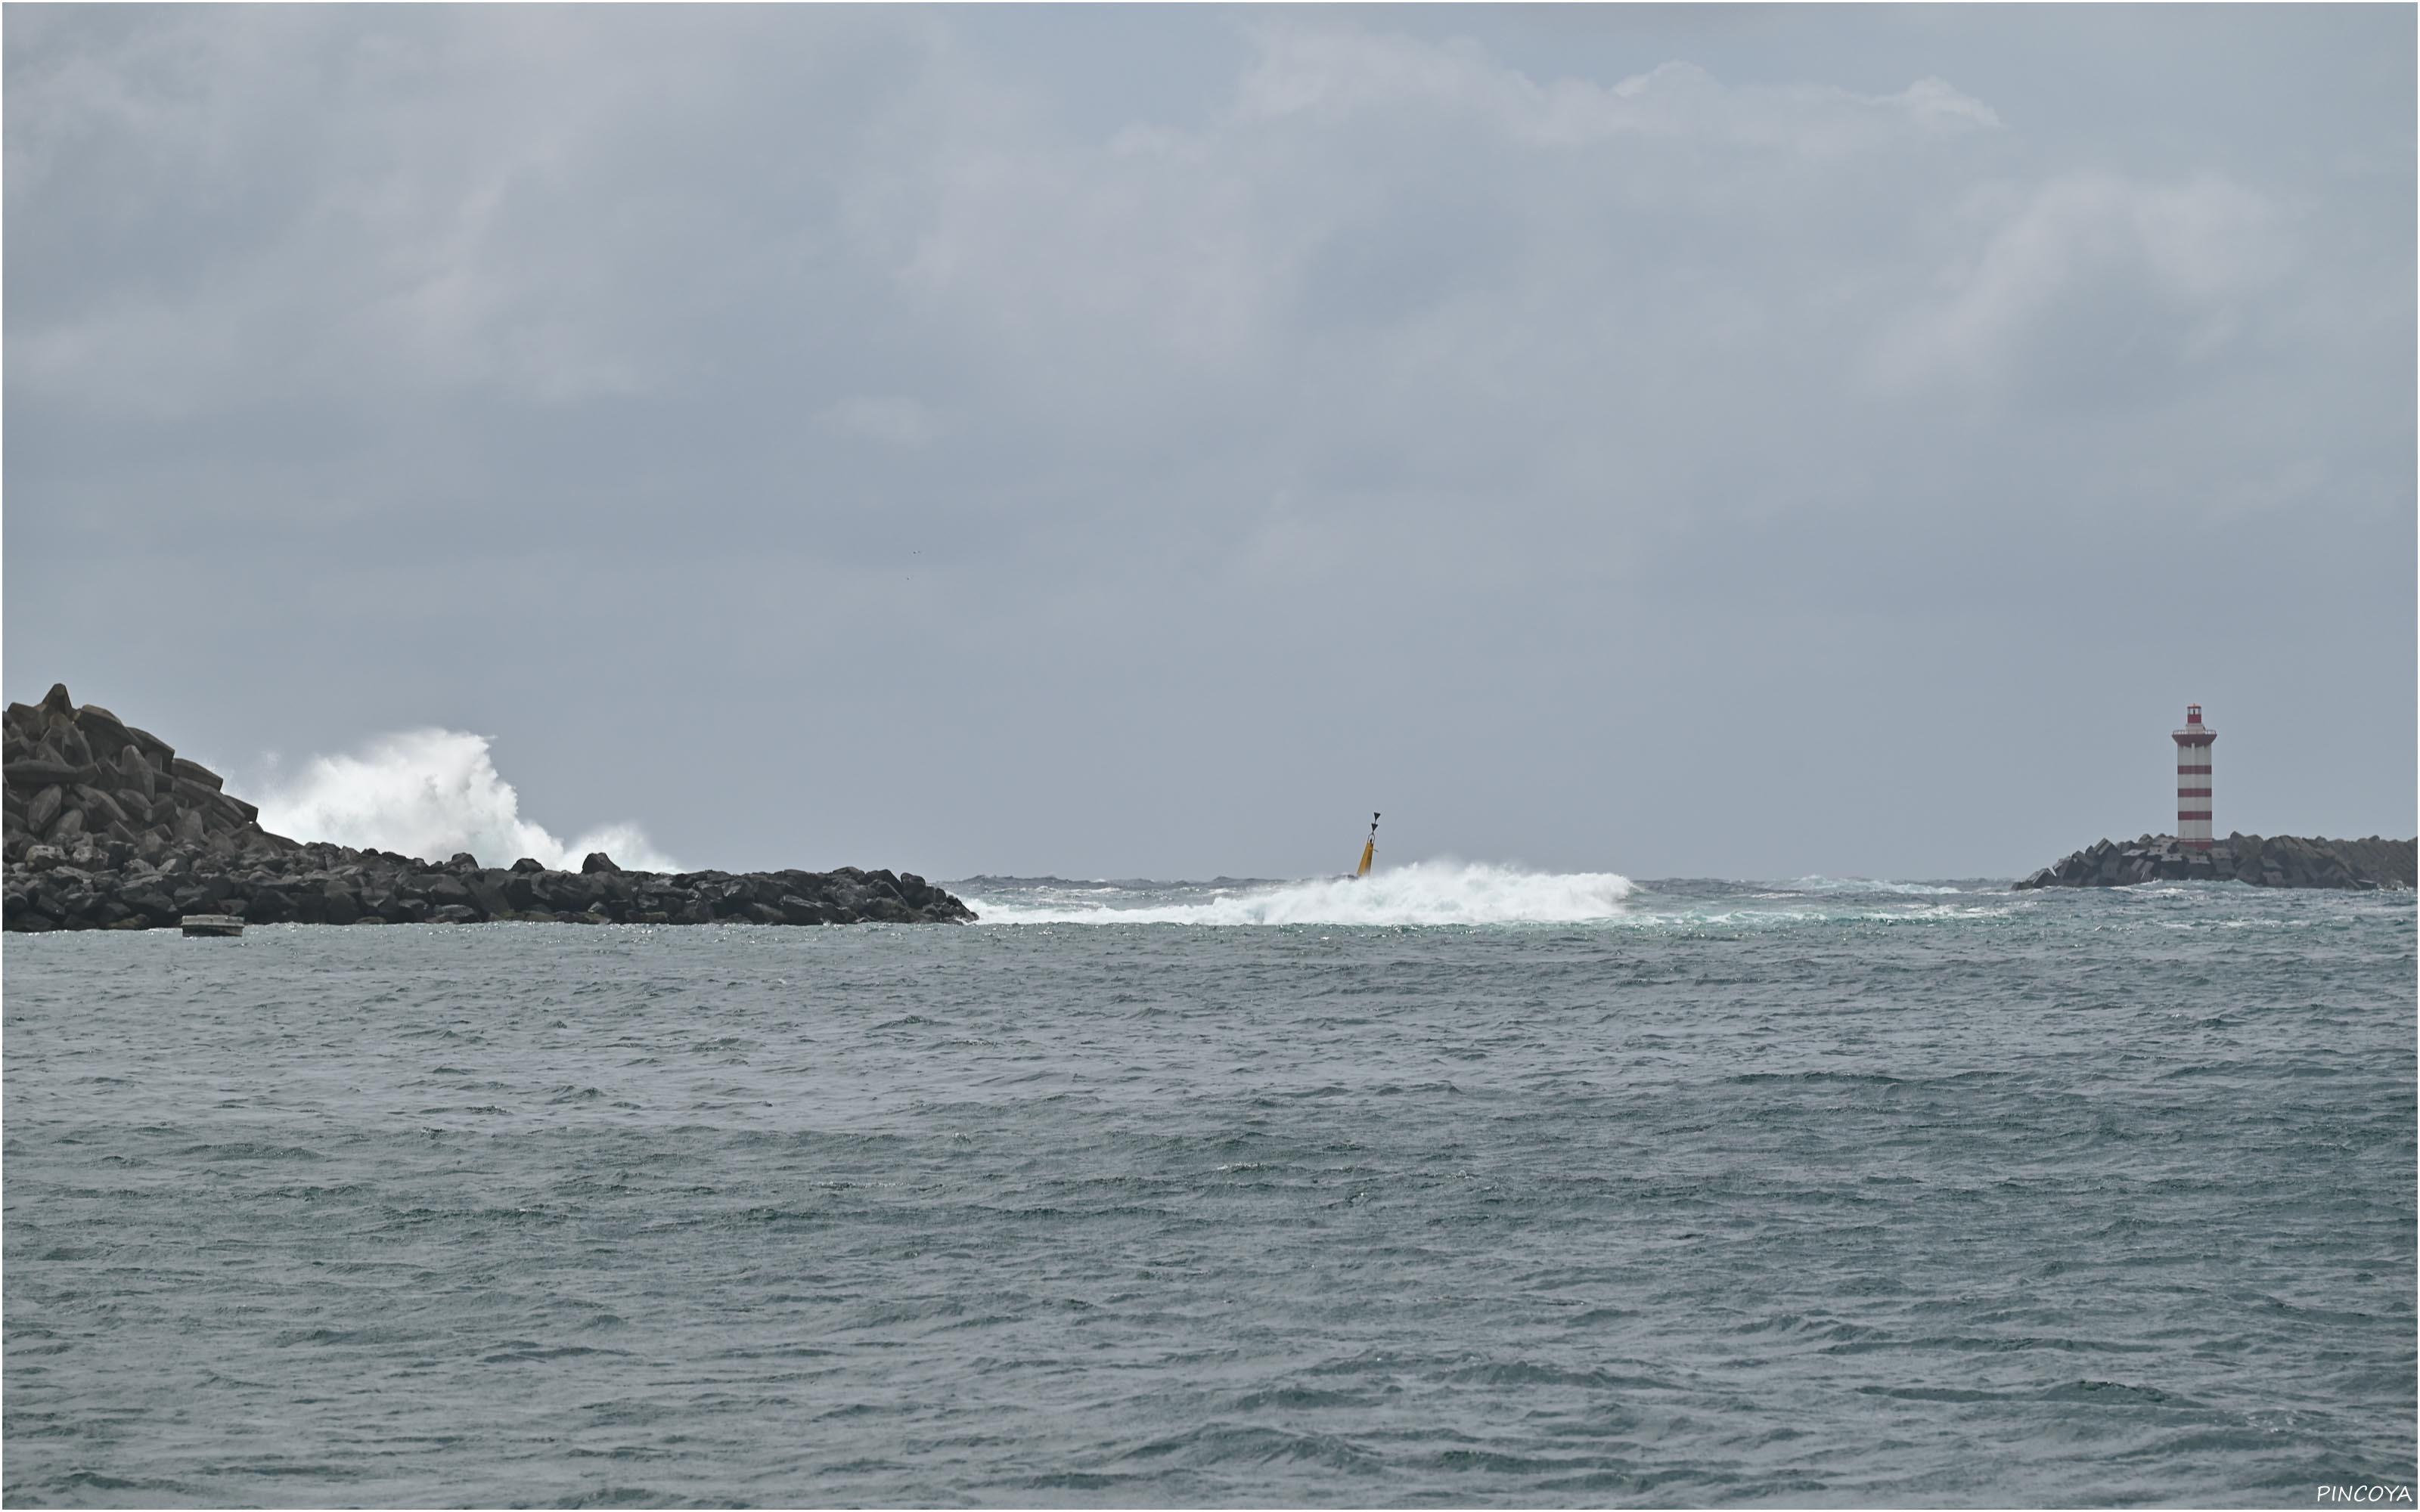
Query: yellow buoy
1369, 848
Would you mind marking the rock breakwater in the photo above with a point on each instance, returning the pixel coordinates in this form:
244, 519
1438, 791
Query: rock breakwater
108, 827
2275, 861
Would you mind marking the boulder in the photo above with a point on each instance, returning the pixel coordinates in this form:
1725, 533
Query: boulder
445, 891
135, 775
157, 753
188, 793
37, 772
99, 807
487, 889
104, 731
797, 910
67, 742
598, 861
150, 903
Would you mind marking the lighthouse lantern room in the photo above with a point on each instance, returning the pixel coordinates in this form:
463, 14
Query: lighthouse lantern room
2192, 780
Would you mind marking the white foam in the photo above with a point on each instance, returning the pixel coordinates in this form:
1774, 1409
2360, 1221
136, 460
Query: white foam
1424, 892
430, 793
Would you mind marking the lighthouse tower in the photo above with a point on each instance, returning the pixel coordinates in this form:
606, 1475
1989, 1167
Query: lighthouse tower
2192, 780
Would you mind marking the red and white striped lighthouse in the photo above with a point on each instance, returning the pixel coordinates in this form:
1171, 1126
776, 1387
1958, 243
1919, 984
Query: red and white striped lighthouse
2192, 780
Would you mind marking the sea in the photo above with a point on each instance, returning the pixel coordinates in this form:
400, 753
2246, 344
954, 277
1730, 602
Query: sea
1463, 1185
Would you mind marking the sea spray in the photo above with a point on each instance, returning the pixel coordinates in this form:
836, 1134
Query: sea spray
433, 793
1424, 892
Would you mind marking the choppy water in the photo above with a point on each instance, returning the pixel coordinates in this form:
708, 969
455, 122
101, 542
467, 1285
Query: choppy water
1825, 1192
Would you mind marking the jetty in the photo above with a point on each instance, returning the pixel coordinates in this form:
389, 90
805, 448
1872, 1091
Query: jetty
108, 828
2273, 861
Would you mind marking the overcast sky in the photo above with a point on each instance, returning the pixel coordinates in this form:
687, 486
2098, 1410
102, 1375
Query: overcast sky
1141, 441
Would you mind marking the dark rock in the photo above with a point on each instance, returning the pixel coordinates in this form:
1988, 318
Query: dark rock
42, 772
195, 773
598, 861
67, 744
44, 808
100, 809
486, 891
157, 753
529, 863
104, 731
195, 796
446, 892
2277, 861
135, 776
253, 840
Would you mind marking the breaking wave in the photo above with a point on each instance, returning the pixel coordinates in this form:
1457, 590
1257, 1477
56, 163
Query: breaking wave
431, 794
1424, 892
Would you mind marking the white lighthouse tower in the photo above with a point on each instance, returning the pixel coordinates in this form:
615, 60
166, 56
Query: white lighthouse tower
2192, 780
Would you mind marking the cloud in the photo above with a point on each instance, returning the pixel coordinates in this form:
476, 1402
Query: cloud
818, 370
2087, 274
1936, 103
1387, 268
889, 420
1333, 75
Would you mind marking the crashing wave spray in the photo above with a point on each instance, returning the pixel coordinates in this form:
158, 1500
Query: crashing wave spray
430, 793
1424, 892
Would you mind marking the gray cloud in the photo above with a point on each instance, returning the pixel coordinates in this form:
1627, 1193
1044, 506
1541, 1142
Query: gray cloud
1085, 442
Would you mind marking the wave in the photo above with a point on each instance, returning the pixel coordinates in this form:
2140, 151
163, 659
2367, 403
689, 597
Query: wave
431, 794
1424, 892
